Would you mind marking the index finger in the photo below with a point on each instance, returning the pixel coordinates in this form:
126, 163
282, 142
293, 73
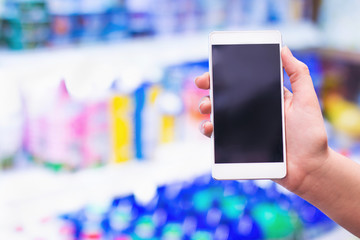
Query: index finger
203, 81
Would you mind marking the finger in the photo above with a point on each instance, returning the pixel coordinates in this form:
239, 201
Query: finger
298, 72
287, 98
206, 128
287, 94
203, 81
205, 105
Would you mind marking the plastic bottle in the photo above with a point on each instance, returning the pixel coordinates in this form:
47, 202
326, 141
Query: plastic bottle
218, 210
246, 228
62, 14
202, 235
120, 109
144, 228
172, 231
139, 17
97, 143
275, 223
116, 21
146, 121
314, 221
55, 135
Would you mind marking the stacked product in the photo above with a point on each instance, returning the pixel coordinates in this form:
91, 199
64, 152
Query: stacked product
70, 135
127, 124
25, 24
32, 23
134, 122
203, 209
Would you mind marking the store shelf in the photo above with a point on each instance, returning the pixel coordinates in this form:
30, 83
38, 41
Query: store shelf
131, 60
166, 49
33, 194
90, 69
161, 50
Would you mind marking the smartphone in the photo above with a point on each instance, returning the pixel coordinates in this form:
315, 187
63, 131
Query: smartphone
246, 92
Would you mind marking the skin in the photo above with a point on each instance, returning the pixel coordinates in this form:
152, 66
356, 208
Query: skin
315, 172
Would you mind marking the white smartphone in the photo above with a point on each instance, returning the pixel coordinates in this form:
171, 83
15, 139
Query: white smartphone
246, 92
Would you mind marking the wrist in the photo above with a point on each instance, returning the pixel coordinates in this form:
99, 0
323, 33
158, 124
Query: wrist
313, 180
317, 181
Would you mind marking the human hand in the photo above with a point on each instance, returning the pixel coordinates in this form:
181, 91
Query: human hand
306, 140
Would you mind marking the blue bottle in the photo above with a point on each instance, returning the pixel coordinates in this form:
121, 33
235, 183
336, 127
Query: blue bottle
144, 228
172, 231
315, 222
116, 22
245, 228
202, 235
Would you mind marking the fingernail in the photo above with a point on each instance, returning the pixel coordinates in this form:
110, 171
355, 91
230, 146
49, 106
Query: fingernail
195, 79
202, 75
202, 127
201, 103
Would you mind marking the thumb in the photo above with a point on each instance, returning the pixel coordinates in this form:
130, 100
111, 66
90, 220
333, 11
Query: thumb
299, 74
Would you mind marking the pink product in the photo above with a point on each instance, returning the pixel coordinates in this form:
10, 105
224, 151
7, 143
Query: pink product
97, 143
71, 134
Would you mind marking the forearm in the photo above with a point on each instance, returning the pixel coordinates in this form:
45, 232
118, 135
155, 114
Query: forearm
335, 190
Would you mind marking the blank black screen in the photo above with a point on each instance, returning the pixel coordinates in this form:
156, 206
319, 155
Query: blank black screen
247, 103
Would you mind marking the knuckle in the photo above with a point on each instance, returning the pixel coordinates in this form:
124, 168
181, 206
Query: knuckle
303, 69
323, 139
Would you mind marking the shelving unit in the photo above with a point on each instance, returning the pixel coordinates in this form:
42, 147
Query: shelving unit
31, 195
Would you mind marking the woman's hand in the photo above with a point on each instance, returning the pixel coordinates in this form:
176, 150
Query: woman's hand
306, 140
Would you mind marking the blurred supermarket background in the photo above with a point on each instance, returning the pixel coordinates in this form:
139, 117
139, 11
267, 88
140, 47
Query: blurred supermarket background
98, 118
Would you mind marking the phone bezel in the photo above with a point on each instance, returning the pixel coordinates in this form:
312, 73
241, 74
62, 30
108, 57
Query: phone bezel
227, 171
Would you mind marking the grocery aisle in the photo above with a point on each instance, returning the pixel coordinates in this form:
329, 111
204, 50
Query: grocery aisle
99, 123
